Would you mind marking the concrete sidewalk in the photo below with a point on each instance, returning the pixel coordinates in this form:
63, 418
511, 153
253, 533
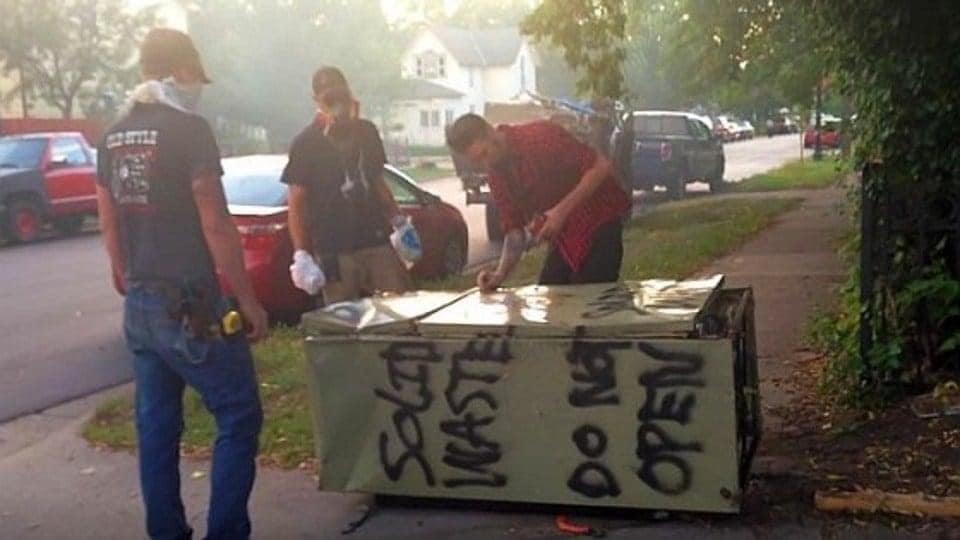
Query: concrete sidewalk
53, 485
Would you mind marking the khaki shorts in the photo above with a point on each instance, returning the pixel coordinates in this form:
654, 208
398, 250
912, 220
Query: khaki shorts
368, 271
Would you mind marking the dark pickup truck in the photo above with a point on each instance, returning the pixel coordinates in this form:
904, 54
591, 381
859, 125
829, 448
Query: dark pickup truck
671, 149
46, 178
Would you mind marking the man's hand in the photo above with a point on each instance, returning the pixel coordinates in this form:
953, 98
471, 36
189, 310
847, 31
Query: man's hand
552, 224
489, 280
256, 318
224, 242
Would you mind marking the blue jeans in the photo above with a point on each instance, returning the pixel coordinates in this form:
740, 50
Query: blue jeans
221, 371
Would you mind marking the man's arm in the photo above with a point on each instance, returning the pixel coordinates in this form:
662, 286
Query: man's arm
387, 202
298, 198
375, 157
514, 243
107, 215
223, 240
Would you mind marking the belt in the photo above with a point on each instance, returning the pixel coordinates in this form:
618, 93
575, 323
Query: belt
165, 286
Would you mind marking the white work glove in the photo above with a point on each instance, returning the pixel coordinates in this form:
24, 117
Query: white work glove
306, 274
405, 240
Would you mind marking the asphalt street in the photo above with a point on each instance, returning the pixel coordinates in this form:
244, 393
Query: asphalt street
60, 326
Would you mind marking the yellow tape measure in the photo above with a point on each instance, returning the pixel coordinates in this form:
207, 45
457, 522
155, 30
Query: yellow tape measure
232, 323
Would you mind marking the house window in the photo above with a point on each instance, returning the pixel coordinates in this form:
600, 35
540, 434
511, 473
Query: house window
434, 118
449, 116
431, 65
424, 119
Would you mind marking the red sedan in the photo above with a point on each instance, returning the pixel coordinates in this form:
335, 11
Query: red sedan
258, 203
829, 136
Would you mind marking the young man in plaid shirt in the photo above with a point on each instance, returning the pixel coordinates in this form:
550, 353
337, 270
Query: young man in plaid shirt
546, 181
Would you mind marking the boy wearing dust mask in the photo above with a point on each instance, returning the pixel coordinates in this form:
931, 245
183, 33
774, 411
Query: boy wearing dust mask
342, 214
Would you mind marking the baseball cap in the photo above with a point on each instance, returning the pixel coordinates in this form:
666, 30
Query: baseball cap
165, 50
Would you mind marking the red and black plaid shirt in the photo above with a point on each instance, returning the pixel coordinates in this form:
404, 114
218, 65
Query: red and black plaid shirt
545, 164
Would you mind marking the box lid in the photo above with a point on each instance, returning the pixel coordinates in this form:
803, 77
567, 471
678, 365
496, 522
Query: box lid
392, 314
650, 307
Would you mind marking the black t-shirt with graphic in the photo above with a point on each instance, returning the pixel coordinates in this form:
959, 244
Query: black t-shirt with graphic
149, 160
337, 167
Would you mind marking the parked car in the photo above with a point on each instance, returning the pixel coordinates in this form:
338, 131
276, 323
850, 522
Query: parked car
258, 203
726, 129
746, 130
672, 149
829, 135
782, 124
46, 178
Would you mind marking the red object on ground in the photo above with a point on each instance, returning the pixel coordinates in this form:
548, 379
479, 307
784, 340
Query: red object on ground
565, 526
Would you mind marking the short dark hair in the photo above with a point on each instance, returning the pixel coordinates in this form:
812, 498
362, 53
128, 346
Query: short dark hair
467, 130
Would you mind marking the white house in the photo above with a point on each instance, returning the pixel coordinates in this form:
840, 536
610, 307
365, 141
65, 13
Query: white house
452, 71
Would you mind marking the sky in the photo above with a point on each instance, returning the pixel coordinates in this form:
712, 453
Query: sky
393, 9
169, 12
173, 15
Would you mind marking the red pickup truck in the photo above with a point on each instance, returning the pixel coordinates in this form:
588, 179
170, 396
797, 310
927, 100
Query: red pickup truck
46, 178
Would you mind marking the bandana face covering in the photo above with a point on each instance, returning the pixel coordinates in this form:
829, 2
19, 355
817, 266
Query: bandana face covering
182, 97
187, 96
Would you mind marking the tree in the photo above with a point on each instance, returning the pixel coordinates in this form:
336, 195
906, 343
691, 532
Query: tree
74, 51
490, 13
590, 33
464, 14
14, 47
261, 55
668, 54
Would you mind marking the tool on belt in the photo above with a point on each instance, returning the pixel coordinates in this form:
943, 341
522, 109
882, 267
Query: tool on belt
196, 309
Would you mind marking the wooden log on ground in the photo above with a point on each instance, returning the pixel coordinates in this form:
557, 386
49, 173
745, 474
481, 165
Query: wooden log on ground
875, 500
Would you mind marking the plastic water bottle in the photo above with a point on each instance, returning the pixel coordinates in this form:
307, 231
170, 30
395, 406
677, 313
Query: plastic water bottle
406, 241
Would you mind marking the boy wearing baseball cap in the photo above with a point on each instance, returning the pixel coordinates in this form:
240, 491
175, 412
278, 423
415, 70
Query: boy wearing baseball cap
167, 231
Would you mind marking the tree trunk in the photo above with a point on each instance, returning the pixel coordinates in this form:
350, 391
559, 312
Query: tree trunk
24, 99
66, 108
817, 147
20, 54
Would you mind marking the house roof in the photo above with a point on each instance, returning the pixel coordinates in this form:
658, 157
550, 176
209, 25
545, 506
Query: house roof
424, 89
480, 48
